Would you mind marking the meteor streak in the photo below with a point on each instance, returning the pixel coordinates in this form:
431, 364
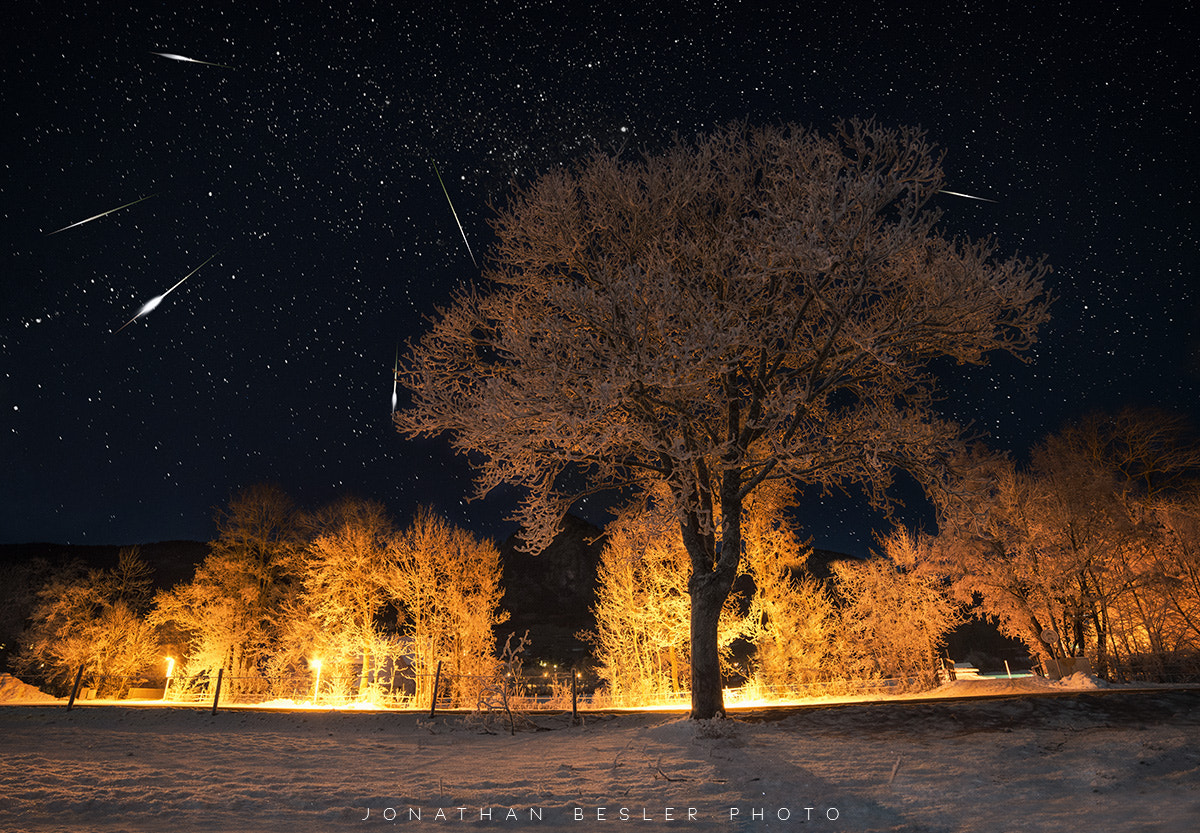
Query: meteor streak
154, 302
174, 57
455, 213
395, 377
967, 196
101, 214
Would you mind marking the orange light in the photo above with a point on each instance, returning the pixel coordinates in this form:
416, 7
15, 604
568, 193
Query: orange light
316, 663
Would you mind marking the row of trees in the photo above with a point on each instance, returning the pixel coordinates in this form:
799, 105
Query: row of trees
879, 618
280, 588
379, 606
1092, 549
1094, 543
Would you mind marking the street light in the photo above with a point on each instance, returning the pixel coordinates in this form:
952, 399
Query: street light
316, 663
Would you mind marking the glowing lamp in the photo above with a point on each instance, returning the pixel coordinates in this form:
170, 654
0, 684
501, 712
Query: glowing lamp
316, 663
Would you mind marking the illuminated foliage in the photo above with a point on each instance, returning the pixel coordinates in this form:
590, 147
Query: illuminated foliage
1094, 541
761, 304
344, 592
232, 612
447, 583
641, 638
895, 615
94, 620
792, 620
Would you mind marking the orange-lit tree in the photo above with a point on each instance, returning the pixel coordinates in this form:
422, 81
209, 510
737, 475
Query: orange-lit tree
344, 592
232, 612
1091, 541
792, 620
447, 583
94, 620
1173, 624
642, 608
896, 612
757, 305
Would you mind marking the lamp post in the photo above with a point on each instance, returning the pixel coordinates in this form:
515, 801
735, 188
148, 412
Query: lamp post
170, 672
316, 663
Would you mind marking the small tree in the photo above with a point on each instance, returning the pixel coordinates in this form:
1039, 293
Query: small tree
344, 585
94, 620
447, 583
896, 613
792, 618
762, 304
641, 609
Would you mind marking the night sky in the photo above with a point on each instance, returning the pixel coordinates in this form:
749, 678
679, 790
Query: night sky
303, 162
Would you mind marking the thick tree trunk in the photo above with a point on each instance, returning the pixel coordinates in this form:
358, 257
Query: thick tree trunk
708, 594
713, 572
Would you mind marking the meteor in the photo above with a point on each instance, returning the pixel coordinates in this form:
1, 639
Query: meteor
101, 214
455, 213
395, 377
154, 302
174, 57
966, 196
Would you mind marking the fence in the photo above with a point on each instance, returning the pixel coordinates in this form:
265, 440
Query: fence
1168, 667
442, 691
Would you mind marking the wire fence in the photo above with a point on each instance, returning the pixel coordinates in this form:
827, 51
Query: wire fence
433, 692
441, 691
507, 691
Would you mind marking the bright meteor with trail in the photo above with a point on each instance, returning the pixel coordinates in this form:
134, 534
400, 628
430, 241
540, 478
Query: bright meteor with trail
395, 377
965, 196
150, 305
173, 57
455, 213
101, 214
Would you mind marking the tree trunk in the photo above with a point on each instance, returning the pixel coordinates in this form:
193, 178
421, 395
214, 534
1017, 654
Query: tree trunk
712, 578
708, 594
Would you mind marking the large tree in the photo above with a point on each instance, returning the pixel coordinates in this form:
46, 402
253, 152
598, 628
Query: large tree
758, 304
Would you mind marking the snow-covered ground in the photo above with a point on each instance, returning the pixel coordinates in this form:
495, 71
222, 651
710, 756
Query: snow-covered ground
1092, 761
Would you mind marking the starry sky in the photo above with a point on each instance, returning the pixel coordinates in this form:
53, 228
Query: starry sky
300, 160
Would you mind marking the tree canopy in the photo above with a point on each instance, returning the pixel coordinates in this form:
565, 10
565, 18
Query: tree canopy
759, 304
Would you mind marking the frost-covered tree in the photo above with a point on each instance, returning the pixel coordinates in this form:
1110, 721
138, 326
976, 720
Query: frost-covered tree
344, 588
231, 613
895, 613
641, 610
1091, 541
792, 620
94, 620
759, 304
446, 583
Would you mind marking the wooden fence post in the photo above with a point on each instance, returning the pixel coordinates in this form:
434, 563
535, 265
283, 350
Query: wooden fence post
75, 688
574, 695
437, 678
217, 696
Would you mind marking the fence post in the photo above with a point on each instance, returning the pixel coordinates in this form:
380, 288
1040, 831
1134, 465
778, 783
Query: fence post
574, 695
75, 688
217, 696
437, 678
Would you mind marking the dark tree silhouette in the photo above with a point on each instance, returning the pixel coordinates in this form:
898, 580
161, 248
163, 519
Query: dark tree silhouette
760, 304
